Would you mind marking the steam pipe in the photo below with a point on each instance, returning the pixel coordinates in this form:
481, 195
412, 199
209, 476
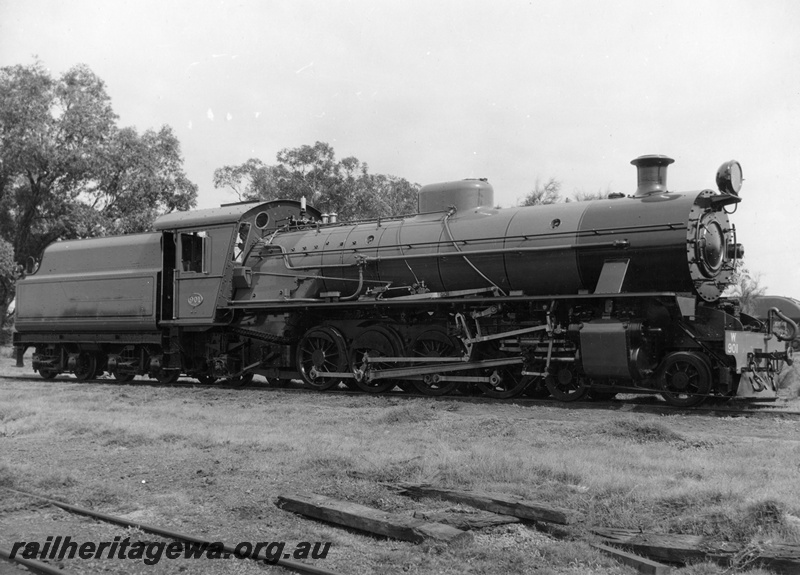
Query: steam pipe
466, 259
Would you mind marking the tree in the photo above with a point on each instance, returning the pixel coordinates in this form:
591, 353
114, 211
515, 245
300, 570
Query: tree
9, 271
138, 179
344, 186
550, 193
66, 169
541, 194
746, 286
50, 131
253, 179
583, 196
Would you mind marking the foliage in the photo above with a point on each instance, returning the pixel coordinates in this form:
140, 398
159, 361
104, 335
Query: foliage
344, 186
140, 178
550, 193
67, 171
582, 196
9, 271
541, 194
746, 286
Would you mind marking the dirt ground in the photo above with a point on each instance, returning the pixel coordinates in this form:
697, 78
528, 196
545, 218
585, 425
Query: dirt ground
211, 461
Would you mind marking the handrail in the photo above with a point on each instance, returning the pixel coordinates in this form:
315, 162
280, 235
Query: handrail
792, 325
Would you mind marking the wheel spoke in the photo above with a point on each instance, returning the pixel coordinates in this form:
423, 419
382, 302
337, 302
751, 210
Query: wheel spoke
321, 349
86, 366
684, 378
566, 385
376, 341
511, 385
434, 343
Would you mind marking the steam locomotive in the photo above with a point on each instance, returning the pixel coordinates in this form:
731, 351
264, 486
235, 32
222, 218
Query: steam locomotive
622, 294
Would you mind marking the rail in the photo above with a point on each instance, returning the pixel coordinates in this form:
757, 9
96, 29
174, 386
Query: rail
285, 563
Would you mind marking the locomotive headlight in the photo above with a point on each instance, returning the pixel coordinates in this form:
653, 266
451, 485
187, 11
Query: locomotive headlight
729, 178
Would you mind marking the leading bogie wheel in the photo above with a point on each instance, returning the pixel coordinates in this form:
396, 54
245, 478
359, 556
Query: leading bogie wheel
684, 379
322, 349
567, 385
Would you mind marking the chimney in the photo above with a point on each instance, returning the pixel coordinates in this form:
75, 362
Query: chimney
651, 174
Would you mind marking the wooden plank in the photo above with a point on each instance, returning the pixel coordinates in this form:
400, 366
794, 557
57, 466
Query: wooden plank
371, 520
678, 548
498, 503
466, 521
670, 547
642, 565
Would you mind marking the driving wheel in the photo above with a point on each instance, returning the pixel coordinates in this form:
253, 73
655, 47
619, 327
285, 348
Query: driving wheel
321, 349
376, 341
511, 384
434, 343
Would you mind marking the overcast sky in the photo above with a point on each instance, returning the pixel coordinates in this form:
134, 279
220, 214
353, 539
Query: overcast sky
442, 90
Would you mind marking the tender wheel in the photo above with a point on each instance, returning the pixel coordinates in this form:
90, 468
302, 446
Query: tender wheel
86, 366
684, 379
321, 349
377, 341
566, 385
123, 377
47, 373
434, 343
512, 383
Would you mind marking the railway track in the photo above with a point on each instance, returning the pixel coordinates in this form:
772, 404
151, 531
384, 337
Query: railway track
31, 565
639, 404
227, 550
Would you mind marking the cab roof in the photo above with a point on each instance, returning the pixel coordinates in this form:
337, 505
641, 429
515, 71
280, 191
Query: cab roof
227, 214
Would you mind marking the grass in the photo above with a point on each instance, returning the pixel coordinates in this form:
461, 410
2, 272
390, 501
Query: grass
212, 461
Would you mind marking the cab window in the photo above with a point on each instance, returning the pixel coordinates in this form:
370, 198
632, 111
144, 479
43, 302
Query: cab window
241, 242
192, 245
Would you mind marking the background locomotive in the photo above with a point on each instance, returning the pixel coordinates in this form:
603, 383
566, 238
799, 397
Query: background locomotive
620, 294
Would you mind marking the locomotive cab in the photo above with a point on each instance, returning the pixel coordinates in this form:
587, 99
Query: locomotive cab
204, 255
